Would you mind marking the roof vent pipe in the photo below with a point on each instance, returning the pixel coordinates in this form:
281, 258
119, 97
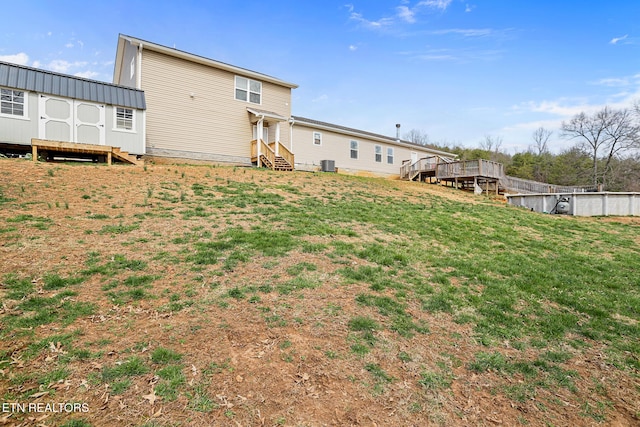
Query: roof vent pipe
398, 132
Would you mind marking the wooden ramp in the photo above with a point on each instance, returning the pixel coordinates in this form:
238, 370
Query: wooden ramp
86, 151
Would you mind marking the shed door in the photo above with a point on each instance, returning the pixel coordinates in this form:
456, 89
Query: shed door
70, 120
89, 123
56, 119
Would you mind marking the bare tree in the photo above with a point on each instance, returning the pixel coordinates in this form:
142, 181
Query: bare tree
541, 138
491, 143
605, 134
417, 137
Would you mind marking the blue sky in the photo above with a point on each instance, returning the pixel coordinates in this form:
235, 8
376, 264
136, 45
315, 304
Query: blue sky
456, 70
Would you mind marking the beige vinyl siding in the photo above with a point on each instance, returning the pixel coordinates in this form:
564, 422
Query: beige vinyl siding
192, 107
336, 146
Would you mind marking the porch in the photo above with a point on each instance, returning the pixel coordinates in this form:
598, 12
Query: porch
274, 154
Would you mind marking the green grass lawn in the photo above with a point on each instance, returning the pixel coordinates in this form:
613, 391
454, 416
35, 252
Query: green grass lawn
535, 291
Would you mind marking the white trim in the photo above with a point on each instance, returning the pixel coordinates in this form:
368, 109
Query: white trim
318, 139
351, 149
25, 105
247, 90
377, 148
115, 127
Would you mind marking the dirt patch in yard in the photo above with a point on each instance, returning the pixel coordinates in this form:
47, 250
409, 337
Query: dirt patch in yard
169, 324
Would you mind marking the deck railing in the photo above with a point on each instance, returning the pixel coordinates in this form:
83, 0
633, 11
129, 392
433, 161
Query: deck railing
520, 185
260, 148
409, 170
469, 168
269, 151
461, 169
283, 152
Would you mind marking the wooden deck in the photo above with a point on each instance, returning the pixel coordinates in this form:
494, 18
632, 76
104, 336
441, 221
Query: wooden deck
465, 174
86, 151
478, 175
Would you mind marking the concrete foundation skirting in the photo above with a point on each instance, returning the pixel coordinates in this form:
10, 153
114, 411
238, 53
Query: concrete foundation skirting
581, 204
188, 156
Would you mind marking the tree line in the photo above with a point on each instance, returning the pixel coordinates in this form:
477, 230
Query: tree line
605, 151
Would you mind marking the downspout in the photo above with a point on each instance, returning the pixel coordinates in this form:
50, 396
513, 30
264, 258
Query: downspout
291, 123
259, 135
277, 138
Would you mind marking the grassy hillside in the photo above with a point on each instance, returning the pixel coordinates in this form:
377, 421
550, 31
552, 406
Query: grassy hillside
196, 295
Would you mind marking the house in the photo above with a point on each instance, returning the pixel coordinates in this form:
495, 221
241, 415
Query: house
38, 104
353, 151
202, 109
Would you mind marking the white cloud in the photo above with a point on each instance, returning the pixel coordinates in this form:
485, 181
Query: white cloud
437, 4
19, 58
353, 48
477, 32
381, 23
62, 66
406, 14
615, 40
468, 8
87, 74
613, 82
69, 45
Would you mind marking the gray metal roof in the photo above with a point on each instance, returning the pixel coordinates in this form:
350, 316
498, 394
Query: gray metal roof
50, 83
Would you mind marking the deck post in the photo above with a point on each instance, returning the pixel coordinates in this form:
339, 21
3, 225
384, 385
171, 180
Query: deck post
108, 158
34, 152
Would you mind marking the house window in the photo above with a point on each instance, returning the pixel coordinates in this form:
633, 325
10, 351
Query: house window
390, 155
317, 138
124, 118
248, 90
354, 149
378, 150
13, 102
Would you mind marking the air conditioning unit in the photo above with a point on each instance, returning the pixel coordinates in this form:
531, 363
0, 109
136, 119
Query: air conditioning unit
328, 165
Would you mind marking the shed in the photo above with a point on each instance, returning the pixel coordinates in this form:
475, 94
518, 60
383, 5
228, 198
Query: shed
39, 104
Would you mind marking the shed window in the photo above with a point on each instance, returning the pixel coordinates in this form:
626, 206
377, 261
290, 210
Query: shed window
12, 102
248, 90
378, 150
317, 138
390, 155
124, 118
354, 149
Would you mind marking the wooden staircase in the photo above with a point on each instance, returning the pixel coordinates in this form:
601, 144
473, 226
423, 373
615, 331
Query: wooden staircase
274, 156
125, 157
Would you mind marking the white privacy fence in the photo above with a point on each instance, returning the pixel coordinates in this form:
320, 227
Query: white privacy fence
581, 204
